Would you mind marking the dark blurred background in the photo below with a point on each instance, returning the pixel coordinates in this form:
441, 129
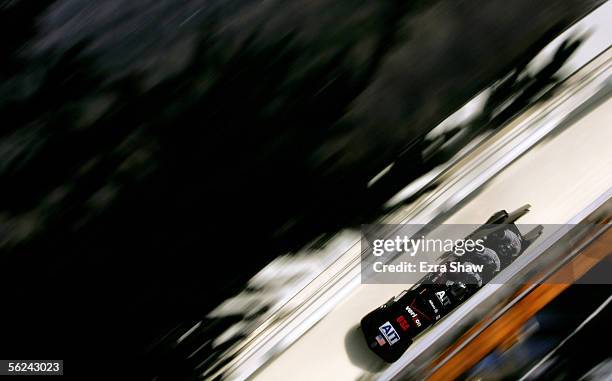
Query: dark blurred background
154, 155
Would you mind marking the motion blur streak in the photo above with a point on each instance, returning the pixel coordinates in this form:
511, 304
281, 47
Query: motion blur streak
513, 320
531, 177
156, 155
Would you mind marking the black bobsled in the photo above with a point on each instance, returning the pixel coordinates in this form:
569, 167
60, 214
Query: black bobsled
390, 329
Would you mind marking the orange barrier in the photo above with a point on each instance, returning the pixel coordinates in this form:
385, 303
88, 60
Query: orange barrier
504, 330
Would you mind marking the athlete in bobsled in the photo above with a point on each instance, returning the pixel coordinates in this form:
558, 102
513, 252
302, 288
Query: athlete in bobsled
390, 329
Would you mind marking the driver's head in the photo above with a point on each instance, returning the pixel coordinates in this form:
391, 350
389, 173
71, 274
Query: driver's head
509, 244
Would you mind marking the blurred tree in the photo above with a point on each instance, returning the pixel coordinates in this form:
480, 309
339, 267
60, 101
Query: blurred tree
154, 157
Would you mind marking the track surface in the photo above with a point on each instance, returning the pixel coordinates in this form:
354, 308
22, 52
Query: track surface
569, 170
